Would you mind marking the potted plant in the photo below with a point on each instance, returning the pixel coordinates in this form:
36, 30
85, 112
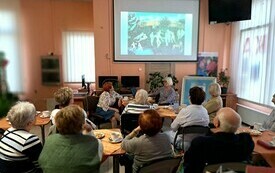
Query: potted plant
155, 81
223, 80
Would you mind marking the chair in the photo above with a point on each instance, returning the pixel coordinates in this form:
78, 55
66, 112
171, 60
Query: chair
238, 167
128, 123
189, 133
90, 105
166, 165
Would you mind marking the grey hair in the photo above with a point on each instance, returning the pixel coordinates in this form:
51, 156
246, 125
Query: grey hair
141, 96
168, 80
21, 114
228, 127
214, 89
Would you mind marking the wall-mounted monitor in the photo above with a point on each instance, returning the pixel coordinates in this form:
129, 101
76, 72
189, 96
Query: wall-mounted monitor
130, 81
156, 30
222, 11
103, 79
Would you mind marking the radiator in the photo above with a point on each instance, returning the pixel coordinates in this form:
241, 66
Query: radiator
250, 115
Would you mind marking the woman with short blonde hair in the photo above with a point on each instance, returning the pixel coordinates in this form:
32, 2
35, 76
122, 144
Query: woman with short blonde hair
214, 89
64, 96
214, 104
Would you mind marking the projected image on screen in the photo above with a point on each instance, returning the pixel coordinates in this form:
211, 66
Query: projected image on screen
156, 33
156, 30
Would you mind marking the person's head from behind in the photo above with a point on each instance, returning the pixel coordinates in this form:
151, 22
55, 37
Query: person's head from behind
168, 81
214, 89
70, 120
141, 96
107, 86
150, 122
22, 115
64, 96
273, 99
196, 95
227, 120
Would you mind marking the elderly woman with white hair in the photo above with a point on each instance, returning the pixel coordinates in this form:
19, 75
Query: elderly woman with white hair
19, 149
167, 94
214, 104
141, 98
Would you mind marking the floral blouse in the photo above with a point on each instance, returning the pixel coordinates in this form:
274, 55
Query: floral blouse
104, 100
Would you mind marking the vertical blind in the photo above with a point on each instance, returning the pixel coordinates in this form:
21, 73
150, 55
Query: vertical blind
78, 56
9, 43
253, 62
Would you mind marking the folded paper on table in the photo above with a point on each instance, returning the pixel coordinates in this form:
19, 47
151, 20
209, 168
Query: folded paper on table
266, 145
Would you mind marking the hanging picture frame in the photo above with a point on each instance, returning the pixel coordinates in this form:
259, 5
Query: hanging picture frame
207, 64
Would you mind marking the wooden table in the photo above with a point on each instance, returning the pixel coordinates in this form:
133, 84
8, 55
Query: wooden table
110, 149
267, 154
167, 113
41, 122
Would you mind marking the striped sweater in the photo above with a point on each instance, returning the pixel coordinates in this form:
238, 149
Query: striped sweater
19, 151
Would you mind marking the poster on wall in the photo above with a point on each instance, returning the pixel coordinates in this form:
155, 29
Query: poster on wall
191, 81
207, 64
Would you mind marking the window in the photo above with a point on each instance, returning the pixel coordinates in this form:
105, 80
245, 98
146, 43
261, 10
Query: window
78, 56
9, 43
253, 61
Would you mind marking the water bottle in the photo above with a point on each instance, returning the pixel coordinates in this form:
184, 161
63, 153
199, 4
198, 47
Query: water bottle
176, 103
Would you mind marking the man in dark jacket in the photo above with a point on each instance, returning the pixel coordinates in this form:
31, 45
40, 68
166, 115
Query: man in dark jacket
222, 146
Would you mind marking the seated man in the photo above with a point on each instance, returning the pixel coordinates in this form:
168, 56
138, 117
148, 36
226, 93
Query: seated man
269, 123
222, 146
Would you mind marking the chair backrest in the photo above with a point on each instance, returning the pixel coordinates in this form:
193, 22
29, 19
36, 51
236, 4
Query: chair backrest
191, 132
238, 167
166, 165
128, 122
90, 103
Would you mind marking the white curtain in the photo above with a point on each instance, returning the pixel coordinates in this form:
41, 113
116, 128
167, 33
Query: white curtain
252, 54
78, 56
9, 42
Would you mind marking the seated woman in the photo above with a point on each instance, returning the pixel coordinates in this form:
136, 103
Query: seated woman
103, 107
194, 114
141, 98
114, 97
70, 150
214, 104
19, 149
269, 123
167, 94
151, 146
64, 97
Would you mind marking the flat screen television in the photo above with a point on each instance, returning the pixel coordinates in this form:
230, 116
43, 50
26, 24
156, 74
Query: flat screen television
130, 81
103, 79
156, 30
223, 11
